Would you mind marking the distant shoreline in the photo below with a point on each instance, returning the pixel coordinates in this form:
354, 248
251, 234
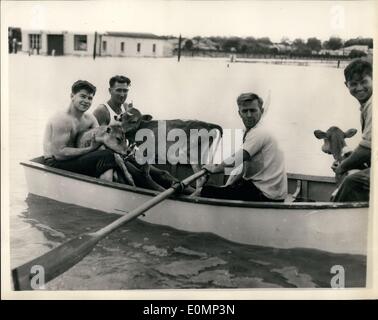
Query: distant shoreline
231, 59
298, 62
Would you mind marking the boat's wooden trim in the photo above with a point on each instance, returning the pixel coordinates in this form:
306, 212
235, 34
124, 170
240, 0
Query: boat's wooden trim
213, 202
298, 176
82, 177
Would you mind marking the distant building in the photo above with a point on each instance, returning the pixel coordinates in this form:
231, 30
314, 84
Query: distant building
58, 42
204, 44
114, 44
14, 39
338, 52
80, 43
131, 44
363, 48
173, 44
281, 47
345, 51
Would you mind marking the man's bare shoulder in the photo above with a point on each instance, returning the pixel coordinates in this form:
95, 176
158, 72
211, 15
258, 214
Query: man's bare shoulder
102, 114
100, 107
60, 119
90, 119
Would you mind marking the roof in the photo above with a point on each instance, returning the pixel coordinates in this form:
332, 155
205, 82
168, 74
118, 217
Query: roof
132, 35
357, 47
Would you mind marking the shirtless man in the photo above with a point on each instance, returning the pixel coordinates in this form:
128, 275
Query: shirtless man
118, 88
59, 148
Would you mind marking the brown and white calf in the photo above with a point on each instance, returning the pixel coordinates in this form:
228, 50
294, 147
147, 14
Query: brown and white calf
196, 149
113, 137
334, 141
334, 144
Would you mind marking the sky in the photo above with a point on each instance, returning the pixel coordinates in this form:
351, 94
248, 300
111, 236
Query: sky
273, 19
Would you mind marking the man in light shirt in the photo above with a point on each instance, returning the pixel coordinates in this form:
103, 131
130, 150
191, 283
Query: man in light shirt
356, 187
263, 175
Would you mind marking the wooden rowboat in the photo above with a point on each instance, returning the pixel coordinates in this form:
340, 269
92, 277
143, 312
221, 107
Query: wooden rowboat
321, 225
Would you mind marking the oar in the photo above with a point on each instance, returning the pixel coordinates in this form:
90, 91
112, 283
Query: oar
65, 256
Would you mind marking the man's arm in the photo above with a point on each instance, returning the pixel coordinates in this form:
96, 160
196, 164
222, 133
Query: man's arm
61, 141
230, 162
251, 146
356, 160
102, 115
93, 121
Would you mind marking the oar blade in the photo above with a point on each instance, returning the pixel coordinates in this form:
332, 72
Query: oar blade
54, 262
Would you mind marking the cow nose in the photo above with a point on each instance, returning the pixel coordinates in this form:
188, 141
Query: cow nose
326, 150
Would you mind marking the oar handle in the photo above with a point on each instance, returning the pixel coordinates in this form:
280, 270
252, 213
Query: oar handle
147, 205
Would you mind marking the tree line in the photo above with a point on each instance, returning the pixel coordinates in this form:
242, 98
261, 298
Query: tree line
252, 45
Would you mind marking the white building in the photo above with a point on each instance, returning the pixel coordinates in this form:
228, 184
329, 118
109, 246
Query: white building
281, 47
363, 48
80, 43
338, 52
115, 44
58, 42
130, 44
345, 51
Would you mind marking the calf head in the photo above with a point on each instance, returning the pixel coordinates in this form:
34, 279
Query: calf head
334, 140
132, 119
114, 138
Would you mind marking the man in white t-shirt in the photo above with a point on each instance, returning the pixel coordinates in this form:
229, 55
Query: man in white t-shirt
262, 176
119, 87
105, 114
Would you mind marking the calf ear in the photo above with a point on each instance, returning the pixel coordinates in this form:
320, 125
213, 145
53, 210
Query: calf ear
146, 117
350, 133
320, 134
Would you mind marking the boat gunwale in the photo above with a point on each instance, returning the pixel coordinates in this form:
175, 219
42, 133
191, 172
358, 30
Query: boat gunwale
201, 200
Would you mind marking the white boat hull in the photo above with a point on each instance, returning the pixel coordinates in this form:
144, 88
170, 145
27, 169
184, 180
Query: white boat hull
296, 225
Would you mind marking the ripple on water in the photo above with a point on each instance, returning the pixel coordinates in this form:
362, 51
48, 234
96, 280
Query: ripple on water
219, 278
189, 267
292, 276
189, 252
153, 250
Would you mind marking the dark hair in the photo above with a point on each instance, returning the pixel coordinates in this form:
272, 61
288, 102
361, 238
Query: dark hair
250, 96
120, 79
83, 85
359, 67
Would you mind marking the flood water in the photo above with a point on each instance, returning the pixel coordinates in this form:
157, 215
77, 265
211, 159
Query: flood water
145, 256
